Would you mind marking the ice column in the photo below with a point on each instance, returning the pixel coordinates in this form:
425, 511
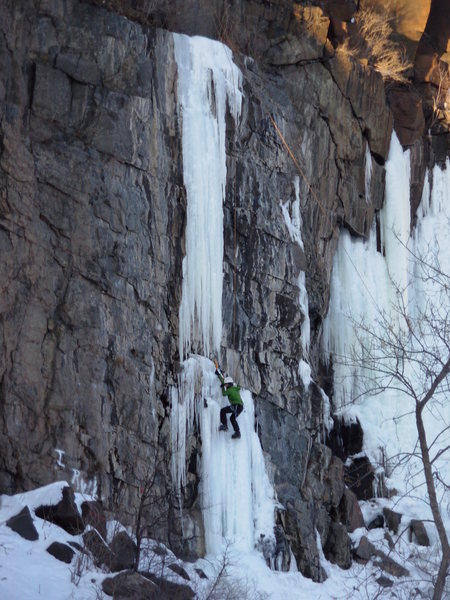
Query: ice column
207, 81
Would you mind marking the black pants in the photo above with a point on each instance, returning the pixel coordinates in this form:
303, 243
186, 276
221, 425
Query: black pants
235, 410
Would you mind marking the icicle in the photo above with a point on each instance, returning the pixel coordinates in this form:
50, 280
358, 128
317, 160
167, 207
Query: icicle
368, 174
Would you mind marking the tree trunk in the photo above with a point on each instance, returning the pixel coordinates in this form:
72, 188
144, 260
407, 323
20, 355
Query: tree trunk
442, 573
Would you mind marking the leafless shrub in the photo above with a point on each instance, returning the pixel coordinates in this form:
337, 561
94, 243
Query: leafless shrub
441, 96
373, 42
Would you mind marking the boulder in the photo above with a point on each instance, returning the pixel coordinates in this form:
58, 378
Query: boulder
64, 514
178, 569
62, 552
365, 550
94, 515
131, 585
389, 565
201, 573
124, 552
388, 538
98, 548
350, 511
418, 533
384, 582
392, 519
22, 523
168, 590
376, 523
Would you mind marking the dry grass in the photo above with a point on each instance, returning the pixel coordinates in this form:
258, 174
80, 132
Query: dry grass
372, 42
441, 97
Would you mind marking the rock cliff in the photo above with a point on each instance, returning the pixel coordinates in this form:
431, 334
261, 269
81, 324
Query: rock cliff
92, 218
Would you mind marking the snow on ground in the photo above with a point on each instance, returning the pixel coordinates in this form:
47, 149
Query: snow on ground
28, 572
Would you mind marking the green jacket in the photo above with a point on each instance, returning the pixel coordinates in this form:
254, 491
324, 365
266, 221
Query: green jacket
232, 393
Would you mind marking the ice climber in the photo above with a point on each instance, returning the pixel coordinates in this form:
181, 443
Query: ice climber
232, 392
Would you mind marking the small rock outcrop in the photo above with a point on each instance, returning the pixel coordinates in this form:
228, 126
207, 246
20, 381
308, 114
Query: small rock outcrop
392, 519
131, 585
65, 513
22, 523
124, 552
62, 552
365, 550
100, 551
93, 514
389, 565
418, 533
350, 511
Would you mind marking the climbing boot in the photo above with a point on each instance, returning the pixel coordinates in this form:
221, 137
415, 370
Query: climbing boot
236, 435
223, 428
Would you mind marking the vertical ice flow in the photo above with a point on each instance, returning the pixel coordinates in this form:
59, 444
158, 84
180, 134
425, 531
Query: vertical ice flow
237, 498
367, 173
366, 285
208, 80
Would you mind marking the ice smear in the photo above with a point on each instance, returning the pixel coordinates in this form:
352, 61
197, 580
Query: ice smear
208, 82
367, 173
293, 219
365, 287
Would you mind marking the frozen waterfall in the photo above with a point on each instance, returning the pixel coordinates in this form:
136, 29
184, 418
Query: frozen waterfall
208, 80
366, 286
237, 498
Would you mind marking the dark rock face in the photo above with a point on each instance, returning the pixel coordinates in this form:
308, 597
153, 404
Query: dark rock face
345, 439
65, 513
61, 551
22, 523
